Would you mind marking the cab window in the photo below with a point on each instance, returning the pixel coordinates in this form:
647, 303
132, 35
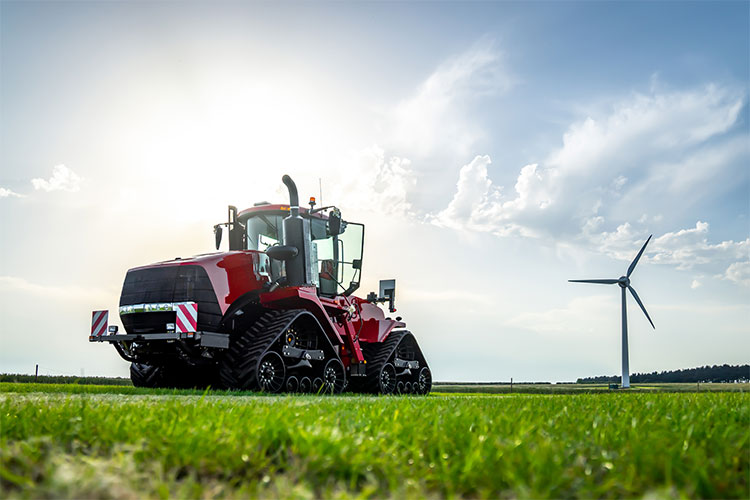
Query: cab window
263, 231
339, 258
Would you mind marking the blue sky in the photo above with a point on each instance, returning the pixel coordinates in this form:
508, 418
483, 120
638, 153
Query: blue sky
494, 151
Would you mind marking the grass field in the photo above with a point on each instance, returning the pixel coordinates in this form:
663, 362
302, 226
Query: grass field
585, 388
122, 442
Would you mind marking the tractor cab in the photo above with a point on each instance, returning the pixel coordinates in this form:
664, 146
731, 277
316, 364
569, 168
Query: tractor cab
332, 256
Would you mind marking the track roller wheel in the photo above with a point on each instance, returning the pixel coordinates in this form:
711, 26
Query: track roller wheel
271, 372
334, 377
317, 385
305, 385
407, 388
400, 387
292, 384
387, 380
424, 381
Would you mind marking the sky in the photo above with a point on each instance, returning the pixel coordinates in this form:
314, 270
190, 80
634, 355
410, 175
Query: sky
493, 150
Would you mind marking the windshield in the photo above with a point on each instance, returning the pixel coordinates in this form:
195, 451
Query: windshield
263, 231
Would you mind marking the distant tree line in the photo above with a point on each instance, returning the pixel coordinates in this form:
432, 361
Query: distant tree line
63, 379
715, 373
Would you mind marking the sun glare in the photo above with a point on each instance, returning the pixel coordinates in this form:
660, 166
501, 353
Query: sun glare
230, 140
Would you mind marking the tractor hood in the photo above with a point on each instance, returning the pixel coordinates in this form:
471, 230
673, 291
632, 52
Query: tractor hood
214, 281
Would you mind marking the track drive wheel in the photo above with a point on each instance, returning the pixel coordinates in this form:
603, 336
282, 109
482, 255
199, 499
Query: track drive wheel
334, 377
271, 372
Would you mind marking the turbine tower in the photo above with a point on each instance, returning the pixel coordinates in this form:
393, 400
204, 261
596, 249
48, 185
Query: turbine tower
624, 282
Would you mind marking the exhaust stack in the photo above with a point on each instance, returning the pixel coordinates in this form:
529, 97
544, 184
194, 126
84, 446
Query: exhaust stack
293, 196
297, 267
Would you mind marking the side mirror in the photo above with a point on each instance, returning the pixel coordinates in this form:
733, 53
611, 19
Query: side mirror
285, 252
217, 233
334, 222
388, 293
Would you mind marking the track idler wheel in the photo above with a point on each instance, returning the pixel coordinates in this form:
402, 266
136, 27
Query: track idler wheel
334, 377
271, 372
387, 379
424, 381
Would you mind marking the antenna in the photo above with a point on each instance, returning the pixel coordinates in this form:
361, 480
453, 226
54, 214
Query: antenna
320, 188
624, 283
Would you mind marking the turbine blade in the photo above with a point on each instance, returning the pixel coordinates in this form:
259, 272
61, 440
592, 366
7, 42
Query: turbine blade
637, 257
601, 282
637, 299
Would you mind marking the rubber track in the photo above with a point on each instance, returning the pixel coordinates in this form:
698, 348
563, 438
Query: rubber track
379, 354
143, 375
238, 368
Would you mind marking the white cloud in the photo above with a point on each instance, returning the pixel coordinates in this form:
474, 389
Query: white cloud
381, 184
63, 179
435, 121
688, 248
436, 118
684, 249
477, 204
739, 272
7, 193
678, 176
695, 284
574, 194
597, 164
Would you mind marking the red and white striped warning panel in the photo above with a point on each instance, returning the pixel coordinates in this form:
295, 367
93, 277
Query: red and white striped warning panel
99, 323
186, 317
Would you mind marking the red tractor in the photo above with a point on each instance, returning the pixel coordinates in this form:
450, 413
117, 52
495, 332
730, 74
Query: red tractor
275, 313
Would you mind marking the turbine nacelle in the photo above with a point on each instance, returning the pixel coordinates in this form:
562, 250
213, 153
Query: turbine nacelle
624, 282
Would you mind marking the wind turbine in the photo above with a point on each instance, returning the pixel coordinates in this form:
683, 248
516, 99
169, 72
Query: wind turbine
624, 282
